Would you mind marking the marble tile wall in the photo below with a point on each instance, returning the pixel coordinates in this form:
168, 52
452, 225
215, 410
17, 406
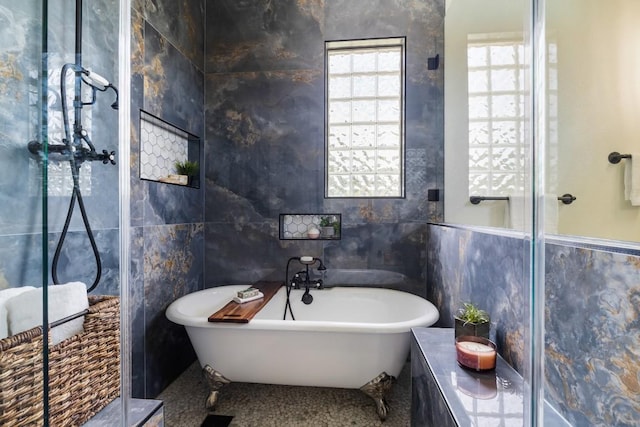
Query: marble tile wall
167, 234
592, 335
592, 339
265, 130
257, 94
21, 213
263, 124
488, 270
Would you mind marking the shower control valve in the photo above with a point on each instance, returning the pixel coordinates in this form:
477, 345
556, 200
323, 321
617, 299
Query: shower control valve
108, 157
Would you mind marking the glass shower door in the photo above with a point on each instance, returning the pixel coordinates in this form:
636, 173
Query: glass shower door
82, 377
23, 204
59, 212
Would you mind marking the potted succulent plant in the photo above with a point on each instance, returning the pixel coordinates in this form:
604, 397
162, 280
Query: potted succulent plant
470, 320
329, 226
188, 168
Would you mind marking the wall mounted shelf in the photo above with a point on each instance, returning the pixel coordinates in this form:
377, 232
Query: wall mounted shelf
162, 145
302, 226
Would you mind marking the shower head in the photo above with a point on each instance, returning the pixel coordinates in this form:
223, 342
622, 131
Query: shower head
97, 82
94, 80
309, 260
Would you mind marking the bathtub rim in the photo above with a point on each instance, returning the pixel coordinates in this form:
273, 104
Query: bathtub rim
430, 316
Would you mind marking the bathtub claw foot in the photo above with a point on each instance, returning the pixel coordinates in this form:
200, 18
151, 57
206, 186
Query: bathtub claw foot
377, 389
216, 381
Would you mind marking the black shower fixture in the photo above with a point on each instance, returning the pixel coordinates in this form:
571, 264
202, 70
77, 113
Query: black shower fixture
97, 83
77, 147
433, 62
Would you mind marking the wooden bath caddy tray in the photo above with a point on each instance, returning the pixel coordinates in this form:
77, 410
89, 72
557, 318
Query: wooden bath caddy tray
234, 312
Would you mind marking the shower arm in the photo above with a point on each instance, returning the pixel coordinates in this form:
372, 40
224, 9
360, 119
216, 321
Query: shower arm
74, 149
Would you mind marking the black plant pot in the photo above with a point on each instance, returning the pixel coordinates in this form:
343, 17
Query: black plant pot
472, 329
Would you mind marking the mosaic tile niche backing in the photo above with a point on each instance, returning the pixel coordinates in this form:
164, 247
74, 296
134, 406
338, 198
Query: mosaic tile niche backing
310, 226
161, 146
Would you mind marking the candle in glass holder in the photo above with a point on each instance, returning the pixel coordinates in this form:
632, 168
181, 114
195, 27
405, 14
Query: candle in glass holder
476, 353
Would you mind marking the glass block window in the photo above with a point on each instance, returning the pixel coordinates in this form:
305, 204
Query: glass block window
496, 95
60, 179
365, 118
552, 161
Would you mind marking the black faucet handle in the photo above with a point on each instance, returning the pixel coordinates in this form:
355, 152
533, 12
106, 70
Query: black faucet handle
108, 157
297, 279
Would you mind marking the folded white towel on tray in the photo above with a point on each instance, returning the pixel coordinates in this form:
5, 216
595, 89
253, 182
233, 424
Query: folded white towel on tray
5, 295
24, 311
248, 299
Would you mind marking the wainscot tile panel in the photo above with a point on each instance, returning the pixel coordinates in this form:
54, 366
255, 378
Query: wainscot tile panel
592, 334
488, 270
591, 315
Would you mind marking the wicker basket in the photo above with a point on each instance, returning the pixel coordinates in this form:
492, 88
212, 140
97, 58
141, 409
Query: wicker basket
84, 371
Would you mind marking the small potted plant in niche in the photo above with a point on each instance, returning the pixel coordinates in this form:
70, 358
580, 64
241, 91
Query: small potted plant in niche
470, 320
187, 168
329, 226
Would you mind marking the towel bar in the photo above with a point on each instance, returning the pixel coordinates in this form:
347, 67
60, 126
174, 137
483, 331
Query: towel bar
567, 198
68, 318
477, 199
615, 157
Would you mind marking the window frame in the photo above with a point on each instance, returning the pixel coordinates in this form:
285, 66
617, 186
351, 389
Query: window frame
368, 44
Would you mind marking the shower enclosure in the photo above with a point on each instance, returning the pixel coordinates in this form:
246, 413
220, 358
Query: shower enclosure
63, 156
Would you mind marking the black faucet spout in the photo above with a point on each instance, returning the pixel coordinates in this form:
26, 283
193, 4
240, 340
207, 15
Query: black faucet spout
307, 298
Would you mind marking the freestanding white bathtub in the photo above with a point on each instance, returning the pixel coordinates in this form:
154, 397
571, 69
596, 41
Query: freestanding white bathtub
348, 337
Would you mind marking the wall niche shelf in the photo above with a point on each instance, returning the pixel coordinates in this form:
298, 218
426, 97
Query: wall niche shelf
302, 226
162, 145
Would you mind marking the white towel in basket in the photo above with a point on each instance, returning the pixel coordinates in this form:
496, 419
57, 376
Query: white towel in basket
24, 311
5, 295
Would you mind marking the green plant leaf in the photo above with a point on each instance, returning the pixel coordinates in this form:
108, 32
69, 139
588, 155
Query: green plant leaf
187, 168
470, 313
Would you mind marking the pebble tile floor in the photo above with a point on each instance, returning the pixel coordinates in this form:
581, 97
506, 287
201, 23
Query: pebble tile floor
260, 405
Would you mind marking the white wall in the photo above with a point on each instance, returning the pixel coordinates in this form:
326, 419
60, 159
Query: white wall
598, 112
598, 109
